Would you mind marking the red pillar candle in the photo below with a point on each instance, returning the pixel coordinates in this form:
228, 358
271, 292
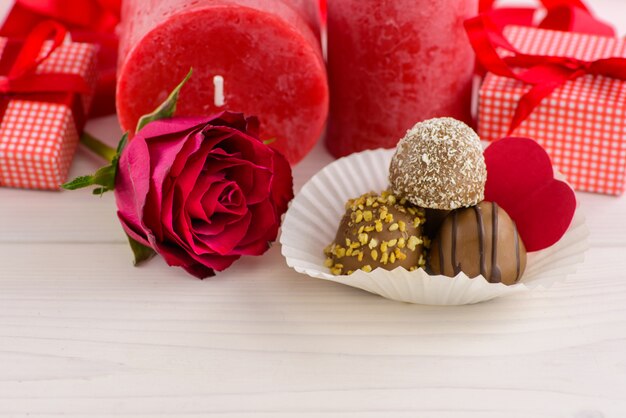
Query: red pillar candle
259, 57
392, 64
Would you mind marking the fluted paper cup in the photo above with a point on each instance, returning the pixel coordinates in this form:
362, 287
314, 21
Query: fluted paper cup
314, 215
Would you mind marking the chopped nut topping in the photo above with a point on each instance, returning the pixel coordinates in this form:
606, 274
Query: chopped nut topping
413, 243
399, 254
374, 255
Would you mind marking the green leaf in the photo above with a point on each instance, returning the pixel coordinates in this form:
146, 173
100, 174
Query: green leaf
104, 176
140, 251
167, 108
79, 183
269, 141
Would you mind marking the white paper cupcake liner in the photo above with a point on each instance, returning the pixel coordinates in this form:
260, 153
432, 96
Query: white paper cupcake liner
314, 215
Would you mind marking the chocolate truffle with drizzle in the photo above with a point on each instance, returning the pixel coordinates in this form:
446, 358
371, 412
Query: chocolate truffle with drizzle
481, 240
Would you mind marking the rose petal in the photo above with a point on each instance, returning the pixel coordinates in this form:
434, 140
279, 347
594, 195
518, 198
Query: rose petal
129, 229
225, 242
263, 228
254, 180
164, 197
131, 186
164, 150
232, 201
194, 204
282, 183
199, 266
177, 126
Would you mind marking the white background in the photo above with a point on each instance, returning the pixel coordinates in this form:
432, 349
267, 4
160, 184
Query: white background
85, 334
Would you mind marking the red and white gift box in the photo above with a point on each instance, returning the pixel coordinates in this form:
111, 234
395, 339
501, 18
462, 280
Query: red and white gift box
38, 138
582, 124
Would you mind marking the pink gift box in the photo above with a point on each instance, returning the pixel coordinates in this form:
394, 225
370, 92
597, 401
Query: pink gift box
38, 138
582, 124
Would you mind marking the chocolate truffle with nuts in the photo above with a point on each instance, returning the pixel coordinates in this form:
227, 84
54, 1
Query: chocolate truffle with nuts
378, 231
439, 164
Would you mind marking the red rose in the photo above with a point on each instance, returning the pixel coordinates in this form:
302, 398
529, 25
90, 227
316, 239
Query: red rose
202, 192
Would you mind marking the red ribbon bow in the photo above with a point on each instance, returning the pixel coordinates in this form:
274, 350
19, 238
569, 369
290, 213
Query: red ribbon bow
564, 15
545, 73
97, 15
22, 76
18, 65
89, 21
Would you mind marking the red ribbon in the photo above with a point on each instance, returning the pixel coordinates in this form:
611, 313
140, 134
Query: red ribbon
99, 15
90, 21
18, 75
563, 15
545, 73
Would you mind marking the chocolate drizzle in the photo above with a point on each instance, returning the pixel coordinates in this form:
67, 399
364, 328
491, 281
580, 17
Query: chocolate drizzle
455, 266
496, 275
481, 240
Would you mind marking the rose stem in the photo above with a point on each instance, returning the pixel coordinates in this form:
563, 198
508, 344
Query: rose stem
98, 147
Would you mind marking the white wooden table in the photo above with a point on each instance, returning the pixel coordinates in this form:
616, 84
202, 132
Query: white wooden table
85, 334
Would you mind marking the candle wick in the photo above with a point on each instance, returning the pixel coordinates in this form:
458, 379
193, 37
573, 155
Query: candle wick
218, 82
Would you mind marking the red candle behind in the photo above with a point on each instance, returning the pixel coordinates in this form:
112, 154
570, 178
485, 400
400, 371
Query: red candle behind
266, 52
392, 64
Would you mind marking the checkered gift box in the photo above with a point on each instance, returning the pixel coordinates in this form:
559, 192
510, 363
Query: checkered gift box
582, 124
38, 139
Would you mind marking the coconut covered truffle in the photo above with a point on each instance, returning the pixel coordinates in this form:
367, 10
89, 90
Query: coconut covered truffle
439, 164
378, 231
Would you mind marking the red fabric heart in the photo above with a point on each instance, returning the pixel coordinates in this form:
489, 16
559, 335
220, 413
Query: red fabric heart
521, 180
